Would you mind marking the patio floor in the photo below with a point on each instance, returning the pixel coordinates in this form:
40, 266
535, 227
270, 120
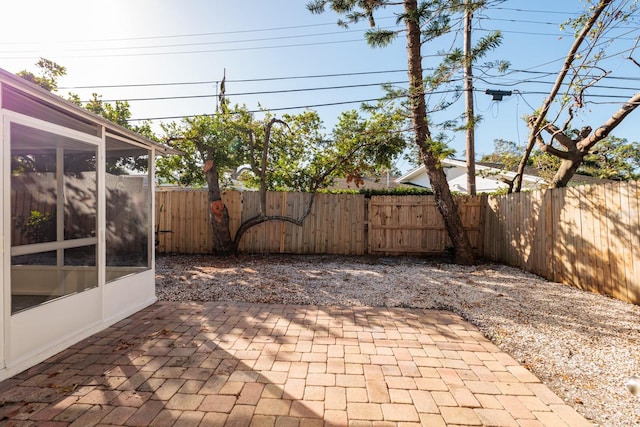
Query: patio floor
232, 364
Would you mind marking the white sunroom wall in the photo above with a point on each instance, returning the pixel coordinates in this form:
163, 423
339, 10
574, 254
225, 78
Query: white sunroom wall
33, 335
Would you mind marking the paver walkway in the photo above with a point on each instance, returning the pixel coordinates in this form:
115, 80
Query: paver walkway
230, 364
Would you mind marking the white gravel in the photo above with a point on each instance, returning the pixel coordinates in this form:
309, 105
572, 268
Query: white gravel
582, 345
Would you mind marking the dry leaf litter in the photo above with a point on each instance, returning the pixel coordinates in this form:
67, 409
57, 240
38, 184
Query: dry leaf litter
581, 345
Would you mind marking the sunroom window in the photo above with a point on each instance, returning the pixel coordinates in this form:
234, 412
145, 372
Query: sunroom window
128, 196
53, 216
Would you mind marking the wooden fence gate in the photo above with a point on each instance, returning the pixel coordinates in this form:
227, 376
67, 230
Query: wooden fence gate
413, 225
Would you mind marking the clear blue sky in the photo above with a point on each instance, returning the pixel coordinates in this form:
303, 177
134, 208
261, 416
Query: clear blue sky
140, 42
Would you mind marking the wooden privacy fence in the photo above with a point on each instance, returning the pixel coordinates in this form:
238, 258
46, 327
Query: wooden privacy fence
588, 236
334, 226
338, 223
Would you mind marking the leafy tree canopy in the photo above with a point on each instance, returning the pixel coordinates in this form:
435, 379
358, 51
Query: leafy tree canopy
220, 138
49, 74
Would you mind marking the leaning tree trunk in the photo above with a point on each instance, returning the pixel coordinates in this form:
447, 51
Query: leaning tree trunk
444, 200
218, 213
565, 172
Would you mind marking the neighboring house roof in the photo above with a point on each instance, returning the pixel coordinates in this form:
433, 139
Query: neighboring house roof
488, 178
576, 179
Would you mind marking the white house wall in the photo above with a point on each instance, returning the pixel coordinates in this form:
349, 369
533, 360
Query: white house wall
420, 181
127, 295
43, 331
483, 185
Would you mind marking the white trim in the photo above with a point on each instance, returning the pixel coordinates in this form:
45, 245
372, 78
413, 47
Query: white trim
5, 233
52, 246
38, 124
125, 140
101, 218
152, 220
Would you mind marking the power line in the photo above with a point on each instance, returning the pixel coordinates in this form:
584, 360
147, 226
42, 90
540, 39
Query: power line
330, 104
219, 42
189, 52
267, 92
266, 79
313, 89
300, 107
318, 76
535, 11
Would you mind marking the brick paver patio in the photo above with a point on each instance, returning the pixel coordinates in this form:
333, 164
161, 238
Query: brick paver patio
231, 364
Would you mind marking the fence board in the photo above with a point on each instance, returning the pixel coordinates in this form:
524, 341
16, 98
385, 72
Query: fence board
634, 231
604, 286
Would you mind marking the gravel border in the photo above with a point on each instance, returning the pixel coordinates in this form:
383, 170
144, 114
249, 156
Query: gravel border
581, 345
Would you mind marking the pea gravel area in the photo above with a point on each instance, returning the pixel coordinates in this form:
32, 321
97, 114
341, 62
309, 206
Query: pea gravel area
583, 346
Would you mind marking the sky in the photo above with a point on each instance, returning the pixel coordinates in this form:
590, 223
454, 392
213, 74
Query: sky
167, 57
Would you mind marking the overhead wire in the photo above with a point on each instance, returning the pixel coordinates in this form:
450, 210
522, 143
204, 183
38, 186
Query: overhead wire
263, 79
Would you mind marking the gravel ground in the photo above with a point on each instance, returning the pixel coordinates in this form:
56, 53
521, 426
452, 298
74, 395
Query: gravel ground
583, 346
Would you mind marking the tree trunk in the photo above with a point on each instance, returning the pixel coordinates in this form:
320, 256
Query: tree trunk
565, 172
444, 200
218, 213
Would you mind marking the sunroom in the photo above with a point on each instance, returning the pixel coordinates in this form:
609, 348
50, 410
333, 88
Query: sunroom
77, 223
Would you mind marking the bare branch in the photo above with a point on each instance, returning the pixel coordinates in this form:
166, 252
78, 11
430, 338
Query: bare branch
630, 57
545, 148
263, 171
585, 144
559, 136
252, 153
259, 219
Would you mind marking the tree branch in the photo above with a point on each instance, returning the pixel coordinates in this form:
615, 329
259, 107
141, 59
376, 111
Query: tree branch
263, 166
557, 134
585, 144
546, 148
259, 219
556, 88
252, 151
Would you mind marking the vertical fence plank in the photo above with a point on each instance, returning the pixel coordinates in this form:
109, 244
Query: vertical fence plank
626, 239
634, 231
